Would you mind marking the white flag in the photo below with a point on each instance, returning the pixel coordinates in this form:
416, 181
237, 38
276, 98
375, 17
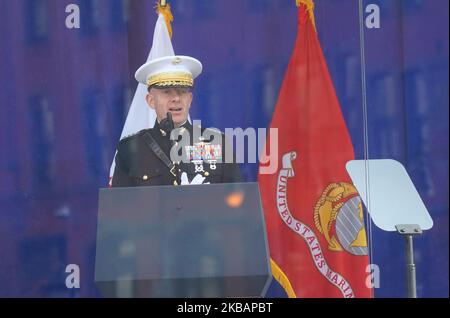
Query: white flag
140, 115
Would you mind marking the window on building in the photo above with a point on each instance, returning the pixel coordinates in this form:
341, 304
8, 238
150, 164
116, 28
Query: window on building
205, 8
257, 5
119, 15
122, 97
42, 136
413, 6
42, 262
36, 21
90, 17
386, 100
93, 123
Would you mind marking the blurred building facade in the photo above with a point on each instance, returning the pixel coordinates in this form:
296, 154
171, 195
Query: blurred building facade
66, 93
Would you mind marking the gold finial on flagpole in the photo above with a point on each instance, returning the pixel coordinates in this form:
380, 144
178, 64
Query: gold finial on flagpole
309, 8
163, 7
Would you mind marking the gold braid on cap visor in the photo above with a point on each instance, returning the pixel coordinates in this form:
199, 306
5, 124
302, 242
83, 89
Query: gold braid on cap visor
171, 79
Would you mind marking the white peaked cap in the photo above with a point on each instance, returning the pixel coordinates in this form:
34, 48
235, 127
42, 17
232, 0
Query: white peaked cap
170, 71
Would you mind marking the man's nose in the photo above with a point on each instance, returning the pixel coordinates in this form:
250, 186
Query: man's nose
175, 96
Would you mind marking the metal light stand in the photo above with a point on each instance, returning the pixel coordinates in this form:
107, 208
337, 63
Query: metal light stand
408, 231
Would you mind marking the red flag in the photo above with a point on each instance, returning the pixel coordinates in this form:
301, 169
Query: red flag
313, 213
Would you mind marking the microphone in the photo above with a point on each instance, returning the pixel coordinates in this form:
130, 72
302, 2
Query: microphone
167, 124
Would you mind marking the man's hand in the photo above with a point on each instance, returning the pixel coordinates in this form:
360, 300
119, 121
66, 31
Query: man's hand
198, 179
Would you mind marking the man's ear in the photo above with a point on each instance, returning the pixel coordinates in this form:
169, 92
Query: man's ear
150, 98
191, 98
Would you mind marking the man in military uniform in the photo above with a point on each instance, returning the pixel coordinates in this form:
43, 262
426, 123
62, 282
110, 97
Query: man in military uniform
171, 153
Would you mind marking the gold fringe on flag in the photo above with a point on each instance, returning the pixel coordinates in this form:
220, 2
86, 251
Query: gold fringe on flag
162, 7
309, 8
282, 279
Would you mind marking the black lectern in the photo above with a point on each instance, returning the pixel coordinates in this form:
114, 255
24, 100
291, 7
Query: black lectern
187, 241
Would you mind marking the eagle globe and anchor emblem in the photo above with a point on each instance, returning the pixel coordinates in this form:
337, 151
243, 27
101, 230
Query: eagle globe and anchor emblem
339, 217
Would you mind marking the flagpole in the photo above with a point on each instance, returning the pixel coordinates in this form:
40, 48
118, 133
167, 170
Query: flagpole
362, 44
